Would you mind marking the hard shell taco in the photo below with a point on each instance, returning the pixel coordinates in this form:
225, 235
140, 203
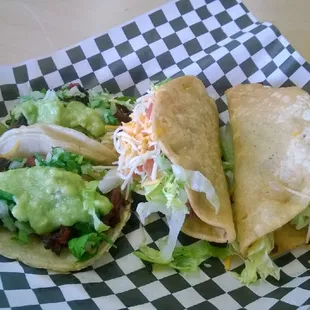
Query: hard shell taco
270, 134
170, 152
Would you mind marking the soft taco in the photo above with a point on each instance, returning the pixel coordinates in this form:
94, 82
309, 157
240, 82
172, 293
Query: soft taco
56, 212
95, 113
270, 132
170, 153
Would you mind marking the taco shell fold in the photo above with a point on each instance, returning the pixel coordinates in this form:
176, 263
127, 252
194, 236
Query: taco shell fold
186, 124
42, 137
271, 138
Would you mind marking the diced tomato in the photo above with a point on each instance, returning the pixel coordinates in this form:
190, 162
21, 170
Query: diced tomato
71, 85
189, 207
148, 166
148, 111
31, 161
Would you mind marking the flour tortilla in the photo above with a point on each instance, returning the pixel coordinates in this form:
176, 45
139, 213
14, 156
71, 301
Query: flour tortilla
185, 123
271, 149
40, 139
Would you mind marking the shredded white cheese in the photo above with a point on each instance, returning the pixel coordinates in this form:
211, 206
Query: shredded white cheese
135, 144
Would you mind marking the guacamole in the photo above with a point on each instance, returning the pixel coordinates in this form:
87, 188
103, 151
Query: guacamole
51, 110
49, 197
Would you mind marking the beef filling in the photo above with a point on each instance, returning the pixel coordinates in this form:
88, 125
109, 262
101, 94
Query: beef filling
31, 161
122, 114
118, 202
58, 240
4, 164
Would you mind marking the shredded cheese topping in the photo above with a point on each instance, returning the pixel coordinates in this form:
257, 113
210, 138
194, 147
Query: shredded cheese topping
135, 143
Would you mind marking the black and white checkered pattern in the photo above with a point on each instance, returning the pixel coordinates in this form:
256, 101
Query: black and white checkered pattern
221, 43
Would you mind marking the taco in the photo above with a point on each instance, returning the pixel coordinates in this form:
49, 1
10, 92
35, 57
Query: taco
95, 113
56, 212
170, 153
270, 130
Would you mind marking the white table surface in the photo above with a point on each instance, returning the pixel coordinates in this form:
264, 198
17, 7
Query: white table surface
34, 28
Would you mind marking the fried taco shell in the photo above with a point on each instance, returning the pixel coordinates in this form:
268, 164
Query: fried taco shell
185, 122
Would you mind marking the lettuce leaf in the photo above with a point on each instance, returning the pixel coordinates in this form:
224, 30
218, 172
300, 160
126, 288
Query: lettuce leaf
85, 247
6, 196
24, 230
5, 215
196, 181
156, 85
184, 258
59, 158
167, 195
302, 219
227, 147
105, 104
110, 180
259, 262
175, 219
228, 155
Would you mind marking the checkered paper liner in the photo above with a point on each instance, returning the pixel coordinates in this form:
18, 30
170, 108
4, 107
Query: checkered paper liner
222, 44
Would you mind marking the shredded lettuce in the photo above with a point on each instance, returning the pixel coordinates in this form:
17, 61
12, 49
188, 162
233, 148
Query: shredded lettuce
175, 219
3, 129
156, 85
227, 155
110, 180
59, 158
85, 247
5, 215
106, 105
17, 163
184, 258
302, 220
8, 221
6, 196
87, 244
259, 262
67, 93
167, 195
24, 230
98, 224
35, 95
96, 207
196, 181
227, 147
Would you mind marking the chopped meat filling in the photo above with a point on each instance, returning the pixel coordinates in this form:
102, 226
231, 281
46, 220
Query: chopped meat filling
57, 240
118, 202
122, 114
4, 164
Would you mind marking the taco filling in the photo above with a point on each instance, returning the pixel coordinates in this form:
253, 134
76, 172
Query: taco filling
56, 200
92, 112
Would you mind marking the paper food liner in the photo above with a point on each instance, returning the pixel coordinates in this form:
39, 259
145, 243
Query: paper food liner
223, 45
